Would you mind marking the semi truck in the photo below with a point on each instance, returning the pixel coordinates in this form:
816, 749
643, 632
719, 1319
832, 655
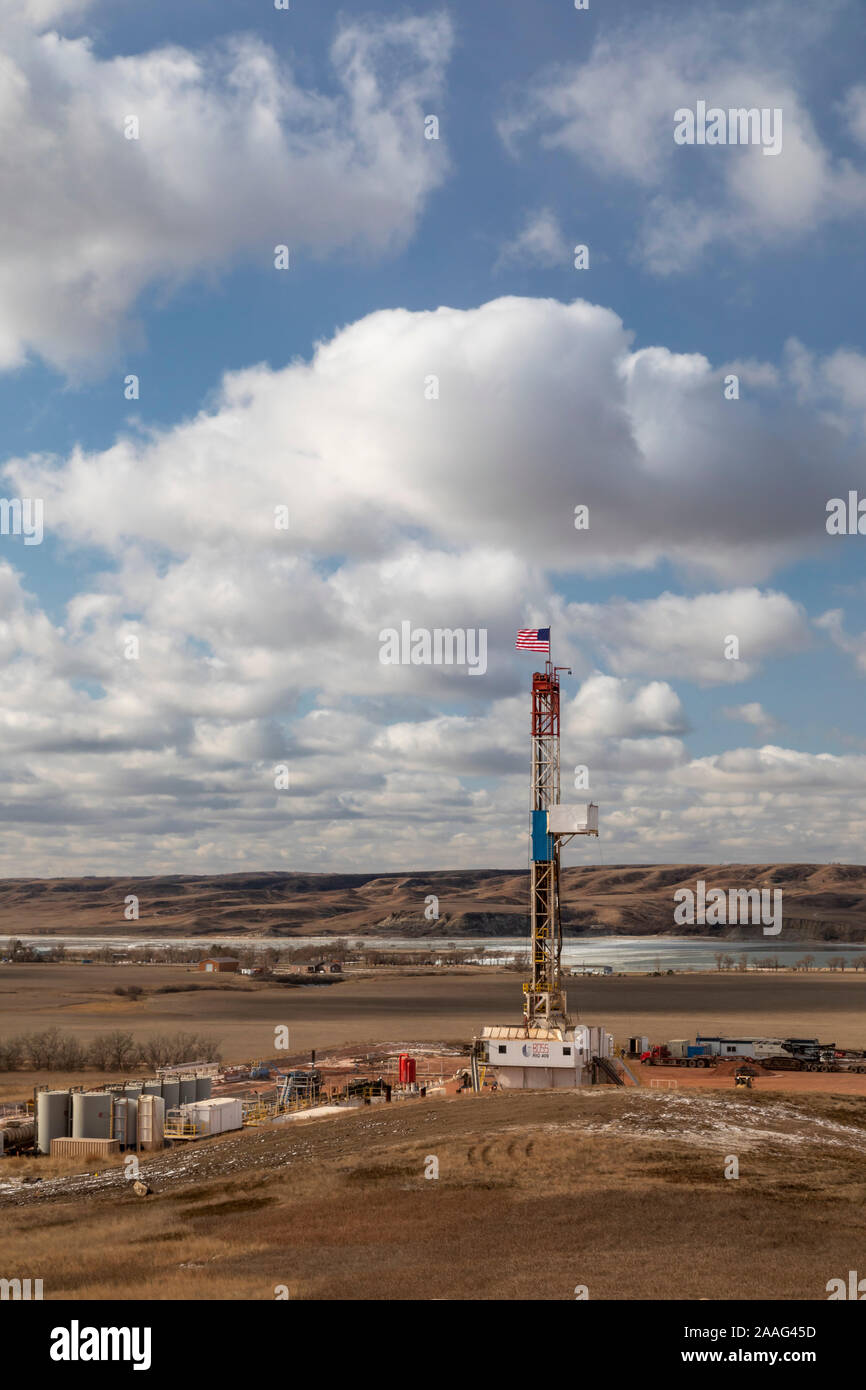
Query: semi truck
776, 1054
678, 1053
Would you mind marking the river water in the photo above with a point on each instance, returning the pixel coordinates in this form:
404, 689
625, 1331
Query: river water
626, 953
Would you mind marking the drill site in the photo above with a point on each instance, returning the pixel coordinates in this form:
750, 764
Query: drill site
567, 1057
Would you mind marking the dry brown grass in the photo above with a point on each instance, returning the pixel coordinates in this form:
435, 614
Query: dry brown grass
537, 1193
20, 1085
28, 1166
403, 1008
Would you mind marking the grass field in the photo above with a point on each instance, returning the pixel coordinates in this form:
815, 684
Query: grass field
439, 1005
625, 1192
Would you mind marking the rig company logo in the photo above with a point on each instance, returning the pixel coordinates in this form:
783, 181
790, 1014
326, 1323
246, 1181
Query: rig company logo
76, 1343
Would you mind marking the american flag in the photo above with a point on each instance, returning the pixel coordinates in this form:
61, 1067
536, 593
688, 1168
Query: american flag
533, 639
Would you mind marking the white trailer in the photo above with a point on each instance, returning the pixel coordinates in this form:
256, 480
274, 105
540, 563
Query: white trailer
741, 1047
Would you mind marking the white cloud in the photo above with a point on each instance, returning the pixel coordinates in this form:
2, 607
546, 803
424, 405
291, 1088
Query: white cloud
542, 407
611, 708
752, 713
687, 637
833, 623
259, 647
540, 242
91, 218
614, 113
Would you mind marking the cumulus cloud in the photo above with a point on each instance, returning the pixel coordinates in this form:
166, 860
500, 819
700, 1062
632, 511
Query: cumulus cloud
690, 637
752, 713
611, 708
614, 113
92, 217
833, 623
540, 242
360, 454
259, 646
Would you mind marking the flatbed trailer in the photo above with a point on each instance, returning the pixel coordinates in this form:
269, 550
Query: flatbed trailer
655, 1061
839, 1064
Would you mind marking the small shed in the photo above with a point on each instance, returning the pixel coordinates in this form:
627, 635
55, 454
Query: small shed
219, 965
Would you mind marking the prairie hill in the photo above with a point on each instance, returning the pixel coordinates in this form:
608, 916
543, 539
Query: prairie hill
820, 901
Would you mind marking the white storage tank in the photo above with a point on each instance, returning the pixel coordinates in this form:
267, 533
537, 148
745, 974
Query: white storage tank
151, 1122
53, 1118
91, 1114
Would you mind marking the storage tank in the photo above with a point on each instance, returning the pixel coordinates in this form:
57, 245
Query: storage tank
187, 1090
170, 1092
126, 1121
152, 1088
53, 1118
91, 1114
203, 1087
151, 1122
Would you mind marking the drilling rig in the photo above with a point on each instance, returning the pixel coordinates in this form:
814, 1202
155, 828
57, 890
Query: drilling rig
551, 825
548, 1048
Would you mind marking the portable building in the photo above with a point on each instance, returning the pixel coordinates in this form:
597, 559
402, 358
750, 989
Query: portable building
214, 1116
84, 1148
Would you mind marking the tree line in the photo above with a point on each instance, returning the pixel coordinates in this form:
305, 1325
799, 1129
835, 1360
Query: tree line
807, 962
53, 1050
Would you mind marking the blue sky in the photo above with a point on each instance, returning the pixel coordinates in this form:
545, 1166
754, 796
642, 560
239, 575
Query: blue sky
156, 257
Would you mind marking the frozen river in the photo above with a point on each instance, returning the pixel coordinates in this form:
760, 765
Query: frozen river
620, 952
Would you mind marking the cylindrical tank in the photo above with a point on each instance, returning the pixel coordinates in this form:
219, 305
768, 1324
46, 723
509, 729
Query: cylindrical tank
410, 1071
187, 1090
53, 1118
152, 1088
170, 1092
91, 1115
401, 1068
151, 1122
125, 1121
203, 1087
16, 1133
133, 1088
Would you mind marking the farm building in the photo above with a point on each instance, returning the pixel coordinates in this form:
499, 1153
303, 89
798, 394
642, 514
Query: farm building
219, 965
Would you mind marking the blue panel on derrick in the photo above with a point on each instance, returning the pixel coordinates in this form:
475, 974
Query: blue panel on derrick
542, 843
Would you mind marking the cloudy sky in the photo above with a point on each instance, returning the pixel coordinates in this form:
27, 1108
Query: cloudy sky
427, 393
